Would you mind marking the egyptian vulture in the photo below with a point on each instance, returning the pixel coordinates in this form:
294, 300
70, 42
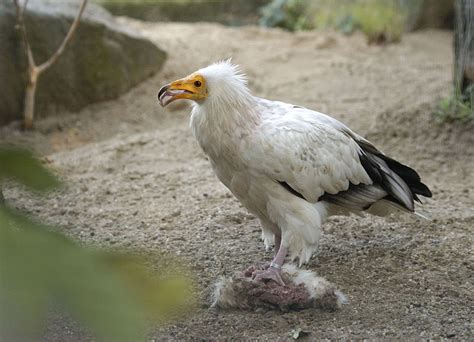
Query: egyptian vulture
290, 166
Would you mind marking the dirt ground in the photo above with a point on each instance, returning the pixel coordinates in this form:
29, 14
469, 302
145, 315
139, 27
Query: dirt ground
136, 178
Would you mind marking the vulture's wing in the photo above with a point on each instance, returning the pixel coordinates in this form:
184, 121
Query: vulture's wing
316, 157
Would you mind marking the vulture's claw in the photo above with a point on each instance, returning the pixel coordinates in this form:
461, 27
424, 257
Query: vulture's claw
251, 270
269, 274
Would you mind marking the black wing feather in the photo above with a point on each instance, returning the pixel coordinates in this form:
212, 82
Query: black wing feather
409, 175
391, 179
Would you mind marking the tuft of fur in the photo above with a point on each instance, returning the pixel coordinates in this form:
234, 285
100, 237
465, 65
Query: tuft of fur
304, 290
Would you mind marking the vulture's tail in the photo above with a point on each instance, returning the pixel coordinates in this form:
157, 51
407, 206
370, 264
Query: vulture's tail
394, 185
402, 183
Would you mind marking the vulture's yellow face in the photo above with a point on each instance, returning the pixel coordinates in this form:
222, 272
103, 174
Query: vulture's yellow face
192, 87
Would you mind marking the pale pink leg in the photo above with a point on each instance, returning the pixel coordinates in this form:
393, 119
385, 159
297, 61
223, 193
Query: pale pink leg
277, 243
274, 271
275, 249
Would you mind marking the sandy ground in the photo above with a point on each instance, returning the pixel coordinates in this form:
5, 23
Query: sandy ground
136, 178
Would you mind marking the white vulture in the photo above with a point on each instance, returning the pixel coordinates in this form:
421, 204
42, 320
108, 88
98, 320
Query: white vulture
290, 166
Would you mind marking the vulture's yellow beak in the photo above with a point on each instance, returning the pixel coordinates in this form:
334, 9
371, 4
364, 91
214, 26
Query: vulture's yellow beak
192, 87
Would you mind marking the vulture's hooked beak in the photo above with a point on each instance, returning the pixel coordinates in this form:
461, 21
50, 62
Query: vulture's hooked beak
168, 94
161, 94
192, 87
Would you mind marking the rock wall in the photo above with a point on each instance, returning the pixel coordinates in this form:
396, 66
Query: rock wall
102, 61
228, 12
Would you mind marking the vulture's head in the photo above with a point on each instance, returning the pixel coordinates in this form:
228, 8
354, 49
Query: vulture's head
221, 82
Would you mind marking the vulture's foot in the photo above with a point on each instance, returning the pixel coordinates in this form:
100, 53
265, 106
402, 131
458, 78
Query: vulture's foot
268, 274
255, 268
259, 288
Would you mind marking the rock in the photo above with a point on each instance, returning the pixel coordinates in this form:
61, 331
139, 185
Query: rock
228, 12
102, 61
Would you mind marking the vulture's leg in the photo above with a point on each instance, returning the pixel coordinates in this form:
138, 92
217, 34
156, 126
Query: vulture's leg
277, 243
253, 270
274, 271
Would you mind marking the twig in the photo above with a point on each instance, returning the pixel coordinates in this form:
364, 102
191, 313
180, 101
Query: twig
70, 33
34, 71
20, 10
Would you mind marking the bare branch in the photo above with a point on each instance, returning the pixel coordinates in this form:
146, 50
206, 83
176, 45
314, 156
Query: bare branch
34, 71
70, 33
20, 10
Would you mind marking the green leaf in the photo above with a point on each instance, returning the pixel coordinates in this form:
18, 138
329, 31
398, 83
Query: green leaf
163, 296
38, 266
20, 165
113, 295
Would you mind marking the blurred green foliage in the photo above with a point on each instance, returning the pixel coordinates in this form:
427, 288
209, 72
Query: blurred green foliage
20, 165
457, 107
288, 14
380, 20
157, 1
113, 294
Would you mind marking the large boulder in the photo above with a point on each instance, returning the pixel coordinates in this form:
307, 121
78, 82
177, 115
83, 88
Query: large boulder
102, 61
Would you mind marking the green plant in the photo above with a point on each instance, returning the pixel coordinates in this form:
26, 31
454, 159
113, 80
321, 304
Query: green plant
287, 14
457, 108
112, 293
330, 14
380, 21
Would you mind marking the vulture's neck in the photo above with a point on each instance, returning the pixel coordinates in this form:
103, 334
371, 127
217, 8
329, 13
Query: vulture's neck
221, 121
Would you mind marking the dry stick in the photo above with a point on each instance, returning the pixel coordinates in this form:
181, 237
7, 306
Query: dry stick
34, 71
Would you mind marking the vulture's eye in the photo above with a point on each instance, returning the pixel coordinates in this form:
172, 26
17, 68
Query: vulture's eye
197, 83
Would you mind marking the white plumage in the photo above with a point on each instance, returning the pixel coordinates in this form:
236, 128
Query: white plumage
290, 166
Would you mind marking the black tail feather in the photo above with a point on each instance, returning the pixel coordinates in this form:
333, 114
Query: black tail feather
410, 176
407, 174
